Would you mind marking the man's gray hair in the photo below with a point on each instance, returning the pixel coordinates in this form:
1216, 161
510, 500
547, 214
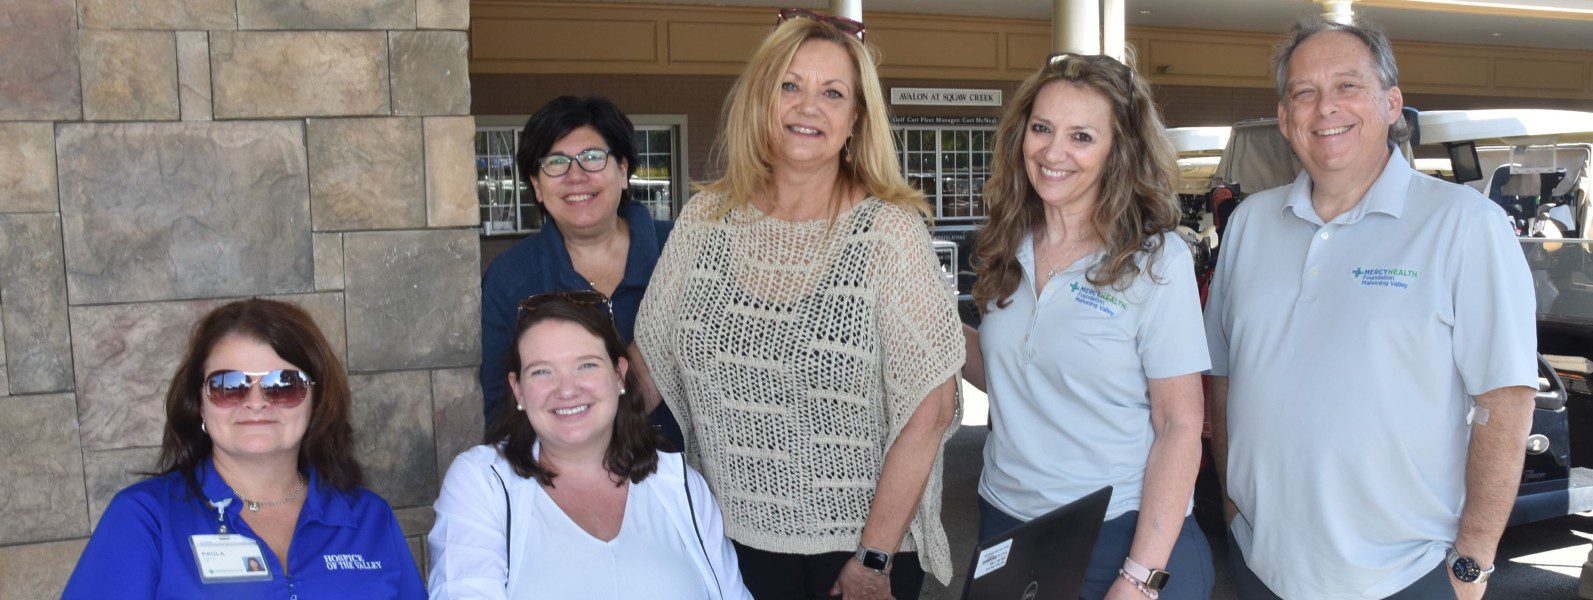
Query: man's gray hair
1370, 35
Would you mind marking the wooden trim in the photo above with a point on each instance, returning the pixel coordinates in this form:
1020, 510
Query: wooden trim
1485, 7
541, 37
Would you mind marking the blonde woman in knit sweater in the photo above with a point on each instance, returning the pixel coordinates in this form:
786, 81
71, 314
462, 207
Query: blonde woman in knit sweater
797, 326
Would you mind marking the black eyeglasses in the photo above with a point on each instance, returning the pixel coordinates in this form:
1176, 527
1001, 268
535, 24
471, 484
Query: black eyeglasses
1062, 63
532, 304
847, 26
591, 160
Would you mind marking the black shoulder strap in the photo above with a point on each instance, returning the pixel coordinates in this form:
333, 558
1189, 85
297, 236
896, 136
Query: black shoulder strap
685, 477
508, 521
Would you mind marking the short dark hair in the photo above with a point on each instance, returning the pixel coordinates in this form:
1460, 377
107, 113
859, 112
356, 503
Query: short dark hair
328, 444
632, 452
1370, 35
564, 114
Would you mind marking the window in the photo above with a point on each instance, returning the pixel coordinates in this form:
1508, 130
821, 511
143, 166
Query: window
508, 205
950, 165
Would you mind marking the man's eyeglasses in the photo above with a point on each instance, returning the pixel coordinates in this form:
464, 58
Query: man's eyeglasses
847, 26
531, 305
282, 388
591, 160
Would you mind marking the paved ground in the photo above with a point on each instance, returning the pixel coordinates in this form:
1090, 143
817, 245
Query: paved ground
1538, 561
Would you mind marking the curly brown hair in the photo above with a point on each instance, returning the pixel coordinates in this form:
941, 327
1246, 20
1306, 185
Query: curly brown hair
328, 443
1138, 186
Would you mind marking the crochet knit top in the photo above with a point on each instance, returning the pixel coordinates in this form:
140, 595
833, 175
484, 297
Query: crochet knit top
792, 354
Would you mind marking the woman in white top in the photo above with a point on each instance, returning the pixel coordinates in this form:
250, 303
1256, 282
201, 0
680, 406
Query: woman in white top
798, 327
570, 498
1091, 342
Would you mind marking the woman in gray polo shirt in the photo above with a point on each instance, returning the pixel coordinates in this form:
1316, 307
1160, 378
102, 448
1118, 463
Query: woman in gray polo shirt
1091, 342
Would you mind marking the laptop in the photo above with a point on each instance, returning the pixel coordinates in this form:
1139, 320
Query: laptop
1043, 559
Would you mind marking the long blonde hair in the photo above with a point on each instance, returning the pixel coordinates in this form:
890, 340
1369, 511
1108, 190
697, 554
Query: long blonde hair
746, 142
1138, 200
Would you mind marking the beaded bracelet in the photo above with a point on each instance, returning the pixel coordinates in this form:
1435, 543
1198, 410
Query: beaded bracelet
1149, 593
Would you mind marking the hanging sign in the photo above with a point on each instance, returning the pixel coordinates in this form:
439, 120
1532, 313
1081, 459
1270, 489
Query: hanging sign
915, 120
944, 97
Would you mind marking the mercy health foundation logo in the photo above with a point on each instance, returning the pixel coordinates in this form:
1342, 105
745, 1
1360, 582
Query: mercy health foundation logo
1102, 301
1391, 277
350, 562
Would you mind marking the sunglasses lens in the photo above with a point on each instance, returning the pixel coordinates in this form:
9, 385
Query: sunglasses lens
227, 388
285, 388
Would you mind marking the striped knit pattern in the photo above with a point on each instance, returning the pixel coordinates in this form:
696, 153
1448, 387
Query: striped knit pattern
792, 353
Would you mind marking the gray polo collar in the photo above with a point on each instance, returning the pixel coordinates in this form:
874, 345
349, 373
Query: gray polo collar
1387, 194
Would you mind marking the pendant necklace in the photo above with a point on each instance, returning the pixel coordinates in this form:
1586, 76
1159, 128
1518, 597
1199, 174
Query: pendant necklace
1059, 259
255, 505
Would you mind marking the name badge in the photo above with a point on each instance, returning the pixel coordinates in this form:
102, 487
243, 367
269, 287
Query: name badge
225, 558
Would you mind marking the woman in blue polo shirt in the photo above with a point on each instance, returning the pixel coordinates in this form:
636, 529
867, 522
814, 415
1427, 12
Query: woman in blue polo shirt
1092, 340
256, 460
577, 155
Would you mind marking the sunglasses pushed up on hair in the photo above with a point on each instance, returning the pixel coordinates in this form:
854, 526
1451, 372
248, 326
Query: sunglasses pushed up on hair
845, 25
282, 388
532, 304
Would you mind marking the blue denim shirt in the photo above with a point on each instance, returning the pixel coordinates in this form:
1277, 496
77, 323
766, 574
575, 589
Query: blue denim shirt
540, 263
141, 548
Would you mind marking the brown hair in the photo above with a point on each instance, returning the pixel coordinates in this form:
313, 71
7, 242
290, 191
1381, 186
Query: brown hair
327, 446
746, 136
632, 452
1138, 185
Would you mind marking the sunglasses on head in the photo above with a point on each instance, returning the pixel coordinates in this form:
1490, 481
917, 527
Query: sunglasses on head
1068, 65
847, 26
532, 304
283, 388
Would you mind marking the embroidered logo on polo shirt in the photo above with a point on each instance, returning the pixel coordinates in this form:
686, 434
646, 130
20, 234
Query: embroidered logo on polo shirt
350, 562
1105, 302
1385, 277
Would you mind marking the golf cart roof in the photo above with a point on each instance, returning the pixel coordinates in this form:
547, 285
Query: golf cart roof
1196, 141
1506, 126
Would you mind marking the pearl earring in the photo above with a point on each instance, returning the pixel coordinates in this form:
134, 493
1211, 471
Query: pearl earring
519, 407
202, 427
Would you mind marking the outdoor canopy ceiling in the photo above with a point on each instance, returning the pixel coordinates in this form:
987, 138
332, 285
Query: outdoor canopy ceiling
1564, 24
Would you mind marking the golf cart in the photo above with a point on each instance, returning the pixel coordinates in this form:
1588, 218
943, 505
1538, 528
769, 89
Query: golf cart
1534, 164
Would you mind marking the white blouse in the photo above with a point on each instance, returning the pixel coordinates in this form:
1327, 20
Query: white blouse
646, 560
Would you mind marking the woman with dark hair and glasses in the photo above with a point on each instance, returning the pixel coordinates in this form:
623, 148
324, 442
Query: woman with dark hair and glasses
256, 458
799, 327
1091, 346
570, 497
577, 154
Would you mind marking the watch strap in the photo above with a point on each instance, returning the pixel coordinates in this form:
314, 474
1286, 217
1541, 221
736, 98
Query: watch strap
1451, 556
1155, 579
874, 559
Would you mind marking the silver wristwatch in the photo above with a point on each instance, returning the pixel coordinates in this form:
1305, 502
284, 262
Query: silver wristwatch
1465, 568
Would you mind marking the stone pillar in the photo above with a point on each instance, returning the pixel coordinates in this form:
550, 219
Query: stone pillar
158, 159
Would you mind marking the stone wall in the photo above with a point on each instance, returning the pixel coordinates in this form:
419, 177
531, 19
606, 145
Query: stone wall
160, 158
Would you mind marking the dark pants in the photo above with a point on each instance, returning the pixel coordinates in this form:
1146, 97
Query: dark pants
1432, 586
778, 576
1189, 564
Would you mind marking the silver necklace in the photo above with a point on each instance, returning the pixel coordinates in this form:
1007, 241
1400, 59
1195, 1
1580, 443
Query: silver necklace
255, 505
1052, 273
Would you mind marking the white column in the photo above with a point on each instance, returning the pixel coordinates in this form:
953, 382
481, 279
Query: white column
1076, 26
1114, 42
851, 9
1338, 11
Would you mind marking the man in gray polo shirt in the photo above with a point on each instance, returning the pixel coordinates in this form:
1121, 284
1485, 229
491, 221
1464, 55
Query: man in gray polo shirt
1372, 341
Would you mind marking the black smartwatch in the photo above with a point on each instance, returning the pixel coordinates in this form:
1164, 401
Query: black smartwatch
873, 559
1465, 568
